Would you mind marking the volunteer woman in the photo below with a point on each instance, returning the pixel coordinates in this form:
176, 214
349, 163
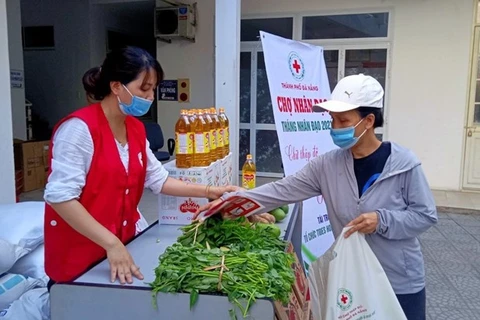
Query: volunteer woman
100, 164
377, 188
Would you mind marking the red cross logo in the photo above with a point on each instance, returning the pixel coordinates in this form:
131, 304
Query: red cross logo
296, 66
344, 299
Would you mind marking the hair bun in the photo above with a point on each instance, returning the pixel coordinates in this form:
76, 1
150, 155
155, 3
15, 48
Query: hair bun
91, 83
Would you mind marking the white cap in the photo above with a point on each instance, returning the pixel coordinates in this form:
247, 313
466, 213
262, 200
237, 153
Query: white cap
353, 92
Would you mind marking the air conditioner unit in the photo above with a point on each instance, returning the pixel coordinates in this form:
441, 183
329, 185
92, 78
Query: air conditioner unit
175, 22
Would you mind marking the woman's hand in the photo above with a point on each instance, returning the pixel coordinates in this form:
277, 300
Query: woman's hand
365, 223
121, 264
216, 192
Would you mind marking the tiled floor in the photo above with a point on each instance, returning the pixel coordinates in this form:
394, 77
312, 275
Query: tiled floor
452, 256
451, 250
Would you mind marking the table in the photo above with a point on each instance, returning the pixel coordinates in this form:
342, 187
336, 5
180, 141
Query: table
93, 296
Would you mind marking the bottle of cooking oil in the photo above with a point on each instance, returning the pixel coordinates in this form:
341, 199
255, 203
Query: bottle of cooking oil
184, 141
223, 127
191, 116
226, 132
200, 127
218, 132
249, 173
212, 135
206, 133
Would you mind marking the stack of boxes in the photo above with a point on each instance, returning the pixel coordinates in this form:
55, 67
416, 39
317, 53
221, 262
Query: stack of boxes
180, 210
31, 164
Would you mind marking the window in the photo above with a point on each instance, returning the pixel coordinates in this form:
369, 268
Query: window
250, 28
346, 26
258, 135
38, 38
353, 43
257, 124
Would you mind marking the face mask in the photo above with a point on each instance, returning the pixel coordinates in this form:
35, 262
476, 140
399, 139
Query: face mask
137, 108
345, 137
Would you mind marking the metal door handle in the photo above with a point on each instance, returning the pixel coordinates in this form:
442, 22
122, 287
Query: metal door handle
469, 134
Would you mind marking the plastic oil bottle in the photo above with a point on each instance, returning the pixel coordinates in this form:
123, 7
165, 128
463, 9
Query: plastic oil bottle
219, 132
191, 116
201, 155
226, 132
184, 139
194, 113
249, 173
212, 135
223, 127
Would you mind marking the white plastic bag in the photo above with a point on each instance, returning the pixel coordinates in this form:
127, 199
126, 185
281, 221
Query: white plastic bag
32, 265
32, 305
9, 254
13, 286
22, 223
348, 283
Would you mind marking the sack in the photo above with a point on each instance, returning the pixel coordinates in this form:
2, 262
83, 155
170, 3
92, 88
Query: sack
13, 286
32, 265
9, 255
32, 305
348, 283
22, 223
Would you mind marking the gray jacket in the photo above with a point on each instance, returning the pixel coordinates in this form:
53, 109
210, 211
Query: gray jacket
401, 196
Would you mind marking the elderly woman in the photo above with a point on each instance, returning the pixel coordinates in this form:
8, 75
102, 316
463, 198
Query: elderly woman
377, 188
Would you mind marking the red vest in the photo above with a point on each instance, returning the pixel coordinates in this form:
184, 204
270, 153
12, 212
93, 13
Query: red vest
109, 195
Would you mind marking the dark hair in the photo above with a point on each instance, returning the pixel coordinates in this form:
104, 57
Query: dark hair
377, 113
123, 65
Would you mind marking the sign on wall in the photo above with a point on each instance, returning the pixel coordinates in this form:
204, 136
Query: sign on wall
168, 90
298, 79
16, 79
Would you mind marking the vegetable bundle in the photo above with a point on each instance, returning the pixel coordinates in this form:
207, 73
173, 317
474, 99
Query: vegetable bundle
238, 274
245, 261
238, 233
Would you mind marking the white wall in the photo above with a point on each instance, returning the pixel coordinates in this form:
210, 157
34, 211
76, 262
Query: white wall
190, 60
7, 185
15, 50
429, 78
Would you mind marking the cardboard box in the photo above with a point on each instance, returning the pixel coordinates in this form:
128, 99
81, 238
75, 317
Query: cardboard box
217, 170
300, 287
307, 311
19, 182
290, 311
32, 158
180, 210
226, 170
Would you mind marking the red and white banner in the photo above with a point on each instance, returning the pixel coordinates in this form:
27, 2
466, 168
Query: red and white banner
297, 77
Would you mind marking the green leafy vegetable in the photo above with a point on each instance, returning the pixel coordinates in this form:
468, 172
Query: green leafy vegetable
237, 233
193, 298
241, 275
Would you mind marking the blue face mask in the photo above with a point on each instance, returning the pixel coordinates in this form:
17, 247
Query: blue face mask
345, 137
137, 108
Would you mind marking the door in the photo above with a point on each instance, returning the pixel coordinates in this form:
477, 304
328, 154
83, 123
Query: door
472, 146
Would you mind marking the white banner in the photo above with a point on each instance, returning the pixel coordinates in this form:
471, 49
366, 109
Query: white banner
297, 77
